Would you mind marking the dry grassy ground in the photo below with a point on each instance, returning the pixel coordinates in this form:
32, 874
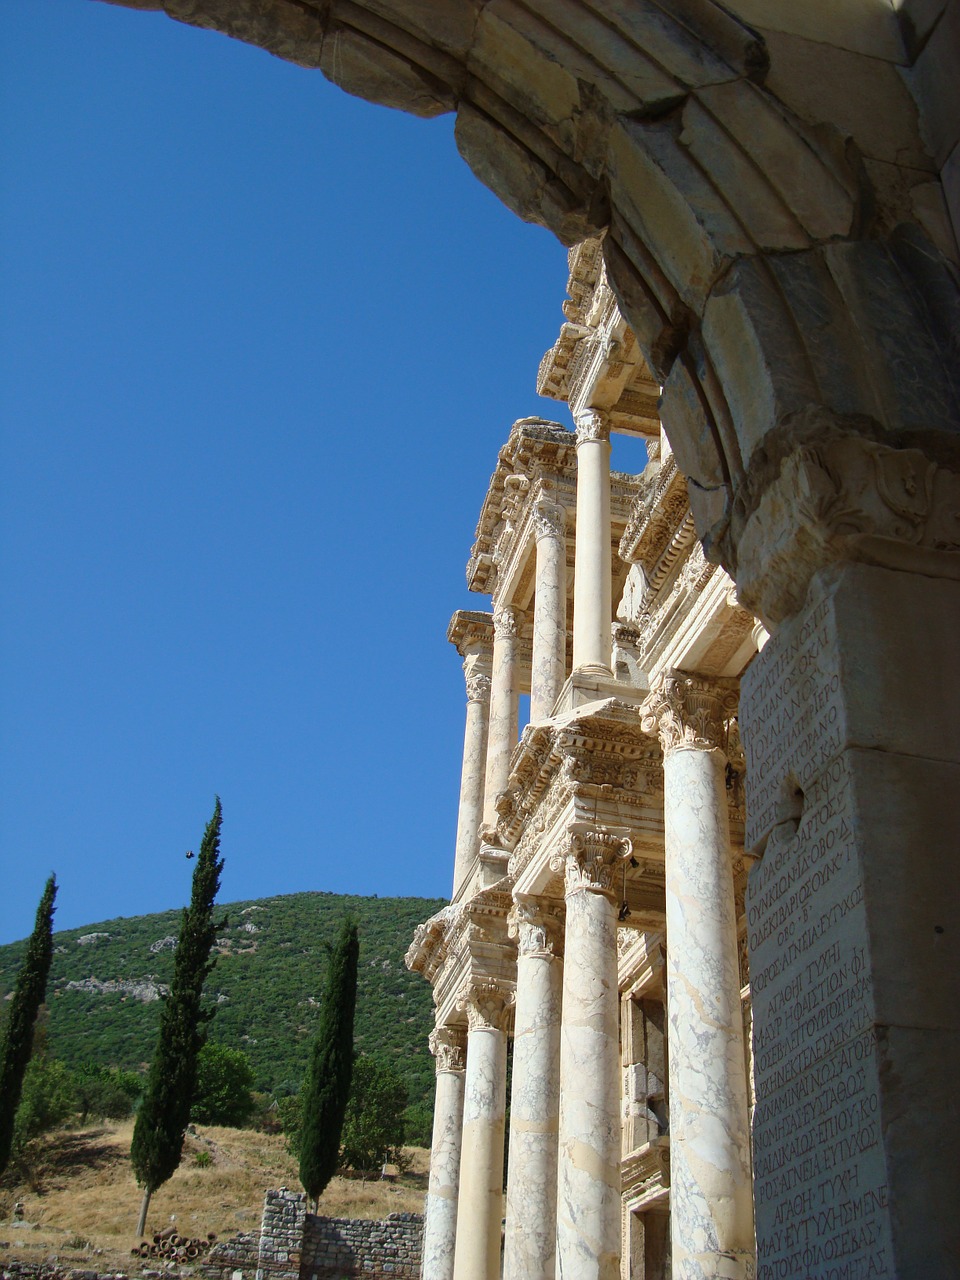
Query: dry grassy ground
87, 1200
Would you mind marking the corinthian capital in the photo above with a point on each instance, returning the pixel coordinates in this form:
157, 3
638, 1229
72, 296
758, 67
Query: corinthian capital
589, 858
487, 1005
506, 623
537, 926
592, 424
690, 713
549, 520
478, 687
448, 1046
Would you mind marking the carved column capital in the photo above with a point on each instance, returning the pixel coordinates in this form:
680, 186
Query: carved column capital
506, 623
487, 1004
537, 926
478, 686
689, 712
589, 858
449, 1046
549, 520
592, 425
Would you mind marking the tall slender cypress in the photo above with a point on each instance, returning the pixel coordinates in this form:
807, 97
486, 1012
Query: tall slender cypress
165, 1110
28, 995
327, 1086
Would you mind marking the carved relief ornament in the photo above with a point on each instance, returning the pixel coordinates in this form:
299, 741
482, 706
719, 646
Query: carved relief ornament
549, 520
842, 497
690, 713
478, 687
506, 624
487, 1005
592, 426
537, 928
448, 1046
589, 859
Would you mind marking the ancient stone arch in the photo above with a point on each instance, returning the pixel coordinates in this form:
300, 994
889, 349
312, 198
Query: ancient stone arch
776, 230
778, 184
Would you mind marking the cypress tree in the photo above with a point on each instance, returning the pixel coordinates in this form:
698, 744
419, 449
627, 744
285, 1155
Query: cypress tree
165, 1110
327, 1086
28, 995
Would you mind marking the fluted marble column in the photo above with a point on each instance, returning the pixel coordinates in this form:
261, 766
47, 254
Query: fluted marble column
472, 776
588, 1185
502, 733
447, 1044
711, 1196
481, 1161
530, 1240
593, 567
549, 610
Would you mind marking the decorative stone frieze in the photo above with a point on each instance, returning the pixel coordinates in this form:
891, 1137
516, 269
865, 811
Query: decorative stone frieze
690, 713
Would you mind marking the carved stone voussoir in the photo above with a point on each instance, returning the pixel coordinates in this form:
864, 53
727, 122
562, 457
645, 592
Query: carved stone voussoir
590, 857
448, 1046
844, 497
592, 425
487, 1005
690, 712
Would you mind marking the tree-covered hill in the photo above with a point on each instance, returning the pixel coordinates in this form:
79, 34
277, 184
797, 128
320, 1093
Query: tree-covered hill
103, 995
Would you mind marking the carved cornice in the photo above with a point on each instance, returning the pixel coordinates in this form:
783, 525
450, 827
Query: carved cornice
538, 456
449, 1046
487, 1005
589, 858
537, 926
592, 426
690, 712
471, 632
837, 495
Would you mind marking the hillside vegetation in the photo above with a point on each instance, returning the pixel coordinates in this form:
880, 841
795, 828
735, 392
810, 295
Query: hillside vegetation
105, 982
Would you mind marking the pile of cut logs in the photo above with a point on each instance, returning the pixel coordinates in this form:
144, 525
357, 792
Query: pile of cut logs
168, 1244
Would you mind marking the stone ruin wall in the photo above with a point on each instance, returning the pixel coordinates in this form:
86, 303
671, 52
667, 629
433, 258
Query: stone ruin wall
292, 1244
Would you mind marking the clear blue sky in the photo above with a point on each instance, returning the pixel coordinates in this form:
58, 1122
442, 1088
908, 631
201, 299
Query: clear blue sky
259, 345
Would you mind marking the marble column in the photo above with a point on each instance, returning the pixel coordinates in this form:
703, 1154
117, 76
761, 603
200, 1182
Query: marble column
593, 564
484, 1106
502, 733
588, 1183
447, 1044
477, 673
530, 1240
550, 609
711, 1194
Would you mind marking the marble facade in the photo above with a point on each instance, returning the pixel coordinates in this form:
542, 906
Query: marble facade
599, 900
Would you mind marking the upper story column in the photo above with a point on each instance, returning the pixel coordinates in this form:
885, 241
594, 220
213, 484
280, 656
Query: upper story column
550, 609
711, 1194
592, 603
472, 633
502, 735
